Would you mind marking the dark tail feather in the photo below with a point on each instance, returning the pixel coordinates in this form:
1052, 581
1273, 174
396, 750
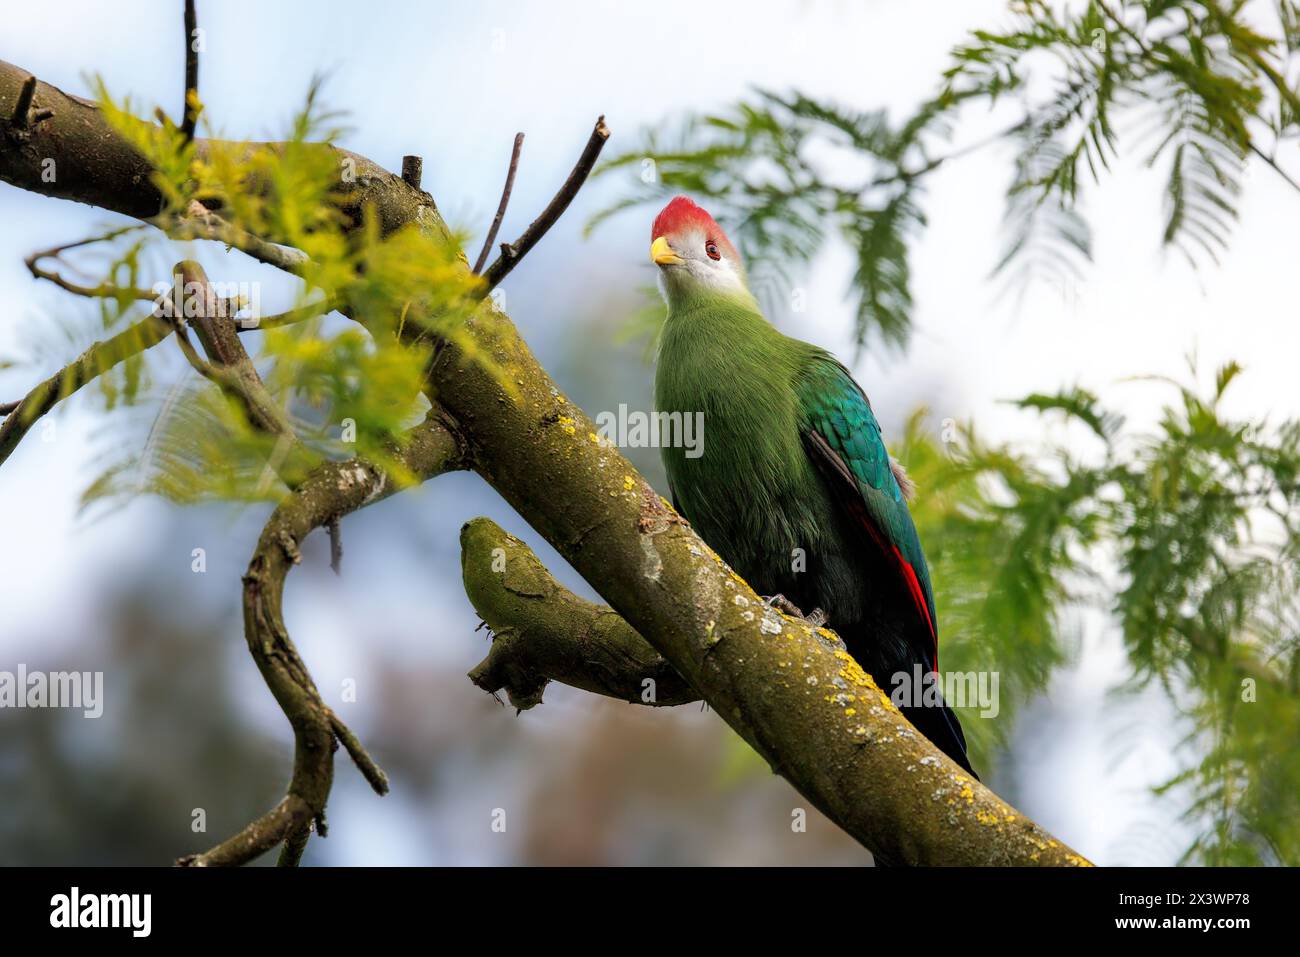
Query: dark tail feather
943, 729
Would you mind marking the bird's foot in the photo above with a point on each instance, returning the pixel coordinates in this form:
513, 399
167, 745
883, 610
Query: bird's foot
817, 618
783, 604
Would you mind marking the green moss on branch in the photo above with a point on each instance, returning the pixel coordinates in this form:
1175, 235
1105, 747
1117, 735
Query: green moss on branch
543, 632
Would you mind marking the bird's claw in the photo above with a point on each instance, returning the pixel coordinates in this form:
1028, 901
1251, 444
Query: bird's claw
816, 618
783, 604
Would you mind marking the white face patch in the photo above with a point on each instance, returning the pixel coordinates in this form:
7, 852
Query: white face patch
700, 271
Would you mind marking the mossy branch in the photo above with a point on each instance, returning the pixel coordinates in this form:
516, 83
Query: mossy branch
95, 165
320, 499
332, 490
542, 632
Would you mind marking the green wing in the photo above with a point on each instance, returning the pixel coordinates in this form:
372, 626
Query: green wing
842, 436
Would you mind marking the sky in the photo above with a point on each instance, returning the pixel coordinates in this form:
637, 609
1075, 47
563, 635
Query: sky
454, 83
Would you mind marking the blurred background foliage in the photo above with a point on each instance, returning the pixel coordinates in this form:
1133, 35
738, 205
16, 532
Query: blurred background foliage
1181, 534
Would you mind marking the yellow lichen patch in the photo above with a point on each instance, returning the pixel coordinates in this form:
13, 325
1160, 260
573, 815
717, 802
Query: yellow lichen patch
1074, 860
628, 483
967, 793
852, 673
850, 712
568, 424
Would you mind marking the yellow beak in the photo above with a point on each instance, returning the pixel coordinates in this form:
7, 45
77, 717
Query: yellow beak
662, 254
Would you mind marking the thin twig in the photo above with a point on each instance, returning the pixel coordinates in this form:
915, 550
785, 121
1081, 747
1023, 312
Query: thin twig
200, 365
311, 310
24, 104
102, 357
501, 207
199, 222
190, 107
23, 118
371, 771
336, 546
1276, 168
511, 253
103, 290
412, 170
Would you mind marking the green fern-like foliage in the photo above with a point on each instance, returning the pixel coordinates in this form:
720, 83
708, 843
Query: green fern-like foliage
1197, 88
1197, 518
1190, 86
997, 535
345, 390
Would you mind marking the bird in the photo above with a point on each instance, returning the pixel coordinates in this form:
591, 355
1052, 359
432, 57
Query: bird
793, 486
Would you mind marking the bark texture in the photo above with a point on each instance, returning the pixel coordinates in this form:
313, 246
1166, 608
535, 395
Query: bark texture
542, 632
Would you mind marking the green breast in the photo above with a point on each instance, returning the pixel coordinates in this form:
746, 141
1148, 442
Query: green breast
751, 492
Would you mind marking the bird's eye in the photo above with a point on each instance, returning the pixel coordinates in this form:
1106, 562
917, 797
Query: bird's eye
712, 249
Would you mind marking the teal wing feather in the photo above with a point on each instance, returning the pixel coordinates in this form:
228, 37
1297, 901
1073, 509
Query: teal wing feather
842, 436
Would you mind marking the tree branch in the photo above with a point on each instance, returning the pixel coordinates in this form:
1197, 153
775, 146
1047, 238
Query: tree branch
501, 207
199, 222
511, 253
543, 632
93, 164
232, 369
220, 339
101, 291
332, 490
190, 102
103, 356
